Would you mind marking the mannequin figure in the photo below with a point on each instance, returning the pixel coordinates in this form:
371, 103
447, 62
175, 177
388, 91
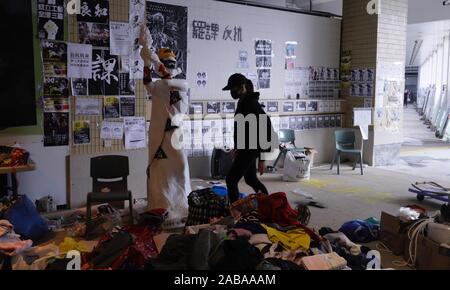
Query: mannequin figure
168, 171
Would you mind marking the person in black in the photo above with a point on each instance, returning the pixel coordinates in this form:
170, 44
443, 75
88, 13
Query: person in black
244, 163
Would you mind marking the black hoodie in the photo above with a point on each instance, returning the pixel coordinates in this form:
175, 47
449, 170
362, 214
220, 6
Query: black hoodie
250, 105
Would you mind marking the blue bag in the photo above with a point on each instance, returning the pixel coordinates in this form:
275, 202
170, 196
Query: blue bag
223, 192
359, 231
26, 220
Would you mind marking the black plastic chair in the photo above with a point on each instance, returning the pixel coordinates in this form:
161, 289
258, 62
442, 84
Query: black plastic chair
109, 184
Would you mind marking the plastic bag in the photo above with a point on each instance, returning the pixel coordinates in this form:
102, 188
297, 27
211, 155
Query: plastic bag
296, 169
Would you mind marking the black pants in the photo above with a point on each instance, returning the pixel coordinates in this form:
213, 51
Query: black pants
244, 165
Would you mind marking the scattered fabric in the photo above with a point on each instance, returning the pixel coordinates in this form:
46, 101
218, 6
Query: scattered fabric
359, 231
290, 240
70, 244
235, 233
36, 258
330, 261
204, 205
10, 242
275, 208
186, 252
235, 255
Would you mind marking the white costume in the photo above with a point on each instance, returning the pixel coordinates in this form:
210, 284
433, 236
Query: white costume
168, 180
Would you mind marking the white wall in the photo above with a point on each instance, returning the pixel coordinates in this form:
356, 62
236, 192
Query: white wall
50, 174
427, 10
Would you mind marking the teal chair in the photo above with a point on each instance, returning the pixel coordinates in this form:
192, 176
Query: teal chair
287, 143
346, 143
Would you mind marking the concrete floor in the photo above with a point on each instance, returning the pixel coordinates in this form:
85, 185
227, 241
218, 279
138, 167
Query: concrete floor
352, 196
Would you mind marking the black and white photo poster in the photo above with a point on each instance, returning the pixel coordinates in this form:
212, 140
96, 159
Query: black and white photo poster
120, 40
79, 61
263, 47
56, 129
93, 23
127, 86
168, 27
127, 106
79, 87
264, 78
213, 107
51, 19
96, 34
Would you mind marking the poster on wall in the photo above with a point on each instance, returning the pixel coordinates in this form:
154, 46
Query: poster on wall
290, 55
81, 132
111, 130
196, 108
96, 11
96, 83
55, 105
54, 58
242, 60
50, 19
111, 107
127, 86
202, 79
264, 78
228, 107
120, 41
96, 34
301, 106
213, 107
127, 106
263, 47
288, 107
56, 87
136, 19
272, 107
312, 106
56, 129
87, 106
135, 132
79, 61
79, 87
346, 68
168, 27
263, 61
110, 73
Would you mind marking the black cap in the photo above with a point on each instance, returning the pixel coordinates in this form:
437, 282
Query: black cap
235, 80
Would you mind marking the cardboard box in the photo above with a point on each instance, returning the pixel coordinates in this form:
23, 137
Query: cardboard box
393, 232
430, 256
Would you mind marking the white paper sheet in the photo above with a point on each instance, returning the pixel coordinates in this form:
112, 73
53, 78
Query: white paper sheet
111, 130
135, 133
79, 61
120, 43
87, 106
363, 118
